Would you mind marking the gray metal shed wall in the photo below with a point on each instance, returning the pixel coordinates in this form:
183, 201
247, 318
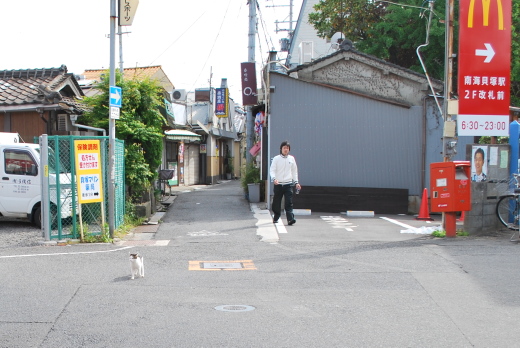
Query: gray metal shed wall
342, 139
434, 132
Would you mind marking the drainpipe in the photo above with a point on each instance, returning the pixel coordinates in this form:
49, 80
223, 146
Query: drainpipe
40, 111
73, 119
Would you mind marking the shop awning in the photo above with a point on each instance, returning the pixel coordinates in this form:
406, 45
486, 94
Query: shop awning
220, 133
181, 135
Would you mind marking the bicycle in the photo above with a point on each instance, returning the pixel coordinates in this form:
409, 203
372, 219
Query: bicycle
508, 208
165, 175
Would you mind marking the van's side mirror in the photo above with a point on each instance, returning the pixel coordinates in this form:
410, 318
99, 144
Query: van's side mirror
34, 169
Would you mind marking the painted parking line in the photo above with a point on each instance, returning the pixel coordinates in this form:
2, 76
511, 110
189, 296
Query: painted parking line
280, 227
397, 223
414, 230
71, 253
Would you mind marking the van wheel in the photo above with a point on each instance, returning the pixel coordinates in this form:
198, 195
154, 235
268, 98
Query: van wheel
37, 217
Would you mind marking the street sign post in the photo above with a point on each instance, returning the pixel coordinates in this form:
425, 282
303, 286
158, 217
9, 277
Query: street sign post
115, 96
484, 67
115, 112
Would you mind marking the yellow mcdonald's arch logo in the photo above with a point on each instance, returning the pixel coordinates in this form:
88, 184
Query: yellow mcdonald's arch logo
485, 13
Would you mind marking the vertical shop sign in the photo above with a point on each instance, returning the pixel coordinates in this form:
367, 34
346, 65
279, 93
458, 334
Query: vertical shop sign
181, 162
221, 102
249, 93
484, 67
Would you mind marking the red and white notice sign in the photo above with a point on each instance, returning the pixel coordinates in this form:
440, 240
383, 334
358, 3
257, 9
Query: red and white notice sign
484, 65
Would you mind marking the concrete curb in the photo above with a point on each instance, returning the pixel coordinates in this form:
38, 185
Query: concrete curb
266, 229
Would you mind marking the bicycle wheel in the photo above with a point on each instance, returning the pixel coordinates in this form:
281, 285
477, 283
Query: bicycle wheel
166, 191
508, 211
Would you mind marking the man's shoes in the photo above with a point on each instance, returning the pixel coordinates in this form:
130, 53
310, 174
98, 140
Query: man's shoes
292, 222
275, 221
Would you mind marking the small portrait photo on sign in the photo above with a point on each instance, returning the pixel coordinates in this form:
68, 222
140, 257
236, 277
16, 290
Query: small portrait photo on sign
479, 163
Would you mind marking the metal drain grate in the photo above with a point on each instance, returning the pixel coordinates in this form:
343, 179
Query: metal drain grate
222, 265
235, 308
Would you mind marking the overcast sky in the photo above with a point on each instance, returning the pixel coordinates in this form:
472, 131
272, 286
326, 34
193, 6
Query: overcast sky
187, 38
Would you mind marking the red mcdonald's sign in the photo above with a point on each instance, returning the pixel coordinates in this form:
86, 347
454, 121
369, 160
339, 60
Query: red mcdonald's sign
484, 64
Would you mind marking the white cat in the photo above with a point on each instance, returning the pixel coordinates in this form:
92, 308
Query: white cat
136, 265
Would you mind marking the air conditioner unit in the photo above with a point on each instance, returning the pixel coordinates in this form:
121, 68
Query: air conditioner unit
179, 95
306, 50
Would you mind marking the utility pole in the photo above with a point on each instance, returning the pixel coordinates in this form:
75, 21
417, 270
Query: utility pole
448, 140
250, 130
112, 123
448, 134
290, 30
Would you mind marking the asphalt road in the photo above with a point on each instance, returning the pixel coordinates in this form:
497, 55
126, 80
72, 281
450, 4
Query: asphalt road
216, 275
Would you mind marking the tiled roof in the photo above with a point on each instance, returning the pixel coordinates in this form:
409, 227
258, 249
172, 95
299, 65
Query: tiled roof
30, 86
134, 73
75, 105
148, 71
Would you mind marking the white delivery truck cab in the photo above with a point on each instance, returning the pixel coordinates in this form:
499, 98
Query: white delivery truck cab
21, 182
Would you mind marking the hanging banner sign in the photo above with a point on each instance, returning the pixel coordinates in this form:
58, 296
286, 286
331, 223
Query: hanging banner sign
484, 65
221, 102
88, 171
127, 9
249, 93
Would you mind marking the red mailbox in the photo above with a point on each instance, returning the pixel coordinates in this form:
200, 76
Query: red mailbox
450, 186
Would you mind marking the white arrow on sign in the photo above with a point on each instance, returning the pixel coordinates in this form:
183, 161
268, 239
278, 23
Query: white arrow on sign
489, 53
115, 96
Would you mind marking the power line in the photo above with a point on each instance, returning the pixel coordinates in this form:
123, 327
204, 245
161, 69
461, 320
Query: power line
213, 46
177, 39
262, 22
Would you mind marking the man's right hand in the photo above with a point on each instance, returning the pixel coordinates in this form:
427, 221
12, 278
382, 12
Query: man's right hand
275, 182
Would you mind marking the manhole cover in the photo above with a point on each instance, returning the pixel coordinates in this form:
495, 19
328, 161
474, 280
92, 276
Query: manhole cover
234, 308
221, 265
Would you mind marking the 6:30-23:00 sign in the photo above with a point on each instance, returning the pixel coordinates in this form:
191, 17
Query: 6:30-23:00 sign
486, 125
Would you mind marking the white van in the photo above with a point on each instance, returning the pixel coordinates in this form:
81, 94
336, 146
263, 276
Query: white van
21, 182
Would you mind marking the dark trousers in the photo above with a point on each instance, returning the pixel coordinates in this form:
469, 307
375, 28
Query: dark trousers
279, 192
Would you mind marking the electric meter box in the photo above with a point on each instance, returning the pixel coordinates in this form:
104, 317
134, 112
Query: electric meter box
450, 188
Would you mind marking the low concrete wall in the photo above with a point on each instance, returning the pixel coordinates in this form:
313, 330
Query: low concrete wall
482, 218
143, 210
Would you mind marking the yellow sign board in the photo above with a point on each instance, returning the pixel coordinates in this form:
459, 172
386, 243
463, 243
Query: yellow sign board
88, 171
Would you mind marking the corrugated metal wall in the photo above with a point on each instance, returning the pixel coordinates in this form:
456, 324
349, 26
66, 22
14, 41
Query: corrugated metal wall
342, 139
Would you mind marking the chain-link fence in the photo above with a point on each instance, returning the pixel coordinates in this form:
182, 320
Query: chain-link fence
75, 185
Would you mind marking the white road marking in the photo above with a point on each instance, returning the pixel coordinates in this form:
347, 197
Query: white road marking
73, 253
338, 222
397, 223
280, 227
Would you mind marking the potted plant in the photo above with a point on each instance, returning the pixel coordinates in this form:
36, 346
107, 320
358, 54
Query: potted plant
229, 168
251, 183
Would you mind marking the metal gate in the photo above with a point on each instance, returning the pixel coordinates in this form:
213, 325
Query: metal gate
65, 214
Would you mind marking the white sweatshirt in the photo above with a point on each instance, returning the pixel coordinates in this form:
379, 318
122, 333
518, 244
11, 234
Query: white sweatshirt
284, 169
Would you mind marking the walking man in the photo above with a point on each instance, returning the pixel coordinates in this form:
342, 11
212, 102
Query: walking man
284, 174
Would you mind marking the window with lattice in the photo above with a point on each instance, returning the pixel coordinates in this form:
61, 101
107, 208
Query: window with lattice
62, 122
